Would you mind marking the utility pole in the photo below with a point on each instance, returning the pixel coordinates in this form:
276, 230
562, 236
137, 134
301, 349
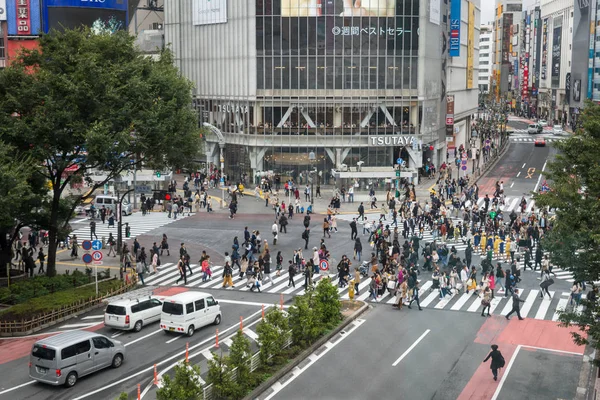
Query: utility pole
120, 223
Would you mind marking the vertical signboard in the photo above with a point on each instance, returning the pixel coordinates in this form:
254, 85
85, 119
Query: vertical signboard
435, 13
470, 45
23, 17
580, 46
592, 22
538, 51
568, 87
525, 91
450, 115
454, 48
544, 48
556, 47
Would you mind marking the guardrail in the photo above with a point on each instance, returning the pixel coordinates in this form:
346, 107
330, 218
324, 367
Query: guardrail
29, 326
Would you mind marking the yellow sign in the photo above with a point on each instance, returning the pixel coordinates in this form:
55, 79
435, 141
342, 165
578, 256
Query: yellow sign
470, 45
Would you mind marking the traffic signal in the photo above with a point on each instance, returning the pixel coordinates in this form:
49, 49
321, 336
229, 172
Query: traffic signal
158, 174
168, 196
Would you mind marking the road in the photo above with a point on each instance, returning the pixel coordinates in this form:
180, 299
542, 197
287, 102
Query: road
437, 355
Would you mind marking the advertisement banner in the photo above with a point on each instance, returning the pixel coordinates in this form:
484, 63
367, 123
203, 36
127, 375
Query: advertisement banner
556, 47
450, 115
454, 48
580, 46
3, 12
568, 87
435, 13
207, 12
525, 91
23, 17
591, 52
61, 14
577, 90
544, 48
470, 45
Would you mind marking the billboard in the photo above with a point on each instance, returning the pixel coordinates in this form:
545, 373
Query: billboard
342, 8
24, 17
68, 14
556, 47
450, 115
3, 10
470, 45
454, 48
435, 12
207, 12
580, 47
544, 48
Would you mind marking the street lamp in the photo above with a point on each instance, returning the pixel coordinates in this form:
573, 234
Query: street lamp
120, 221
311, 157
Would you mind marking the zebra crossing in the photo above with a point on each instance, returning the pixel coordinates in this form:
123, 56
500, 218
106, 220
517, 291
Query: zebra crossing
532, 139
138, 223
534, 306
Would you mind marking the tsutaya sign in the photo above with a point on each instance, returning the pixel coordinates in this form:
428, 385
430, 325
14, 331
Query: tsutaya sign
389, 140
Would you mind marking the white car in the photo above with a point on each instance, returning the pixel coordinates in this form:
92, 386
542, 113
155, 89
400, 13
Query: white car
557, 129
543, 122
132, 314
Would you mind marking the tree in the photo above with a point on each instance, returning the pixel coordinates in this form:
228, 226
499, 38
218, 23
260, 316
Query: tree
219, 375
240, 355
185, 385
305, 319
328, 303
574, 240
88, 102
272, 332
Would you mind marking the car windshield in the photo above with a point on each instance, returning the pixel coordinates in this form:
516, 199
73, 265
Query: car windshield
172, 308
43, 352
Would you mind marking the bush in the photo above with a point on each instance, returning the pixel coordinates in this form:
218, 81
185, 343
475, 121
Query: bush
44, 304
305, 319
185, 385
219, 375
272, 332
328, 303
42, 285
240, 354
123, 396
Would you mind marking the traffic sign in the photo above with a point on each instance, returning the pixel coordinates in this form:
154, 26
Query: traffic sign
397, 174
449, 121
97, 256
87, 258
323, 265
399, 161
98, 262
464, 167
86, 245
96, 245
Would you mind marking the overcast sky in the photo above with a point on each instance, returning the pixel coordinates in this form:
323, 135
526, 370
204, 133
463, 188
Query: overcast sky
488, 6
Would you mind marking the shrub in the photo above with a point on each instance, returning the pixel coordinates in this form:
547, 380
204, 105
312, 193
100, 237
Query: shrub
272, 332
123, 396
305, 319
219, 375
327, 301
240, 354
42, 285
44, 304
185, 385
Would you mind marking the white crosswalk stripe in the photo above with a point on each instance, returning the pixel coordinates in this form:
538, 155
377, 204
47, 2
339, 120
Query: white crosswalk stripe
532, 139
139, 224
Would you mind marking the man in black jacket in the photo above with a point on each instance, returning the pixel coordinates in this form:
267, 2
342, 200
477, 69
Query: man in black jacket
306, 236
516, 305
354, 232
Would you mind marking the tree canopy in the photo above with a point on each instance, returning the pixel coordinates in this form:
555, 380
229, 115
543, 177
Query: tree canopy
574, 241
91, 101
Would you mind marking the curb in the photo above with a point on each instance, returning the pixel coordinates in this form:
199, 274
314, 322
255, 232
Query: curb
263, 387
489, 166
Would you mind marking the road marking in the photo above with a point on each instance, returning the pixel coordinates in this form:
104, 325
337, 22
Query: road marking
512, 184
245, 303
207, 354
506, 371
554, 350
538, 183
116, 334
142, 338
529, 302
544, 167
524, 165
530, 173
518, 174
461, 301
79, 221
278, 386
562, 304
17, 387
92, 317
541, 312
508, 307
174, 339
81, 325
411, 348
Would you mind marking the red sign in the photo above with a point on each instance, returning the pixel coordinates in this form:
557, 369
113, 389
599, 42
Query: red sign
525, 92
449, 121
23, 17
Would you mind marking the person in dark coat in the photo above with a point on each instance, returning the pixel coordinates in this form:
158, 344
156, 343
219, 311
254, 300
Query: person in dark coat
497, 360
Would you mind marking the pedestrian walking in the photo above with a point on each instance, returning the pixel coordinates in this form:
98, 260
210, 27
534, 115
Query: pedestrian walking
326, 228
516, 305
415, 296
41, 258
267, 268
164, 245
545, 283
140, 272
357, 249
354, 229
93, 230
74, 246
497, 360
291, 274
182, 271
486, 301
155, 261
227, 276
306, 237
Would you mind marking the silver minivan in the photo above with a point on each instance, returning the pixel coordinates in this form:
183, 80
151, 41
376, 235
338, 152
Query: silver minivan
64, 358
132, 314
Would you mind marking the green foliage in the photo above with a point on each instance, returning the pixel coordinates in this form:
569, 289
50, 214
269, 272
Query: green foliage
44, 304
219, 375
305, 319
38, 286
123, 396
240, 354
272, 332
92, 101
328, 303
574, 241
185, 385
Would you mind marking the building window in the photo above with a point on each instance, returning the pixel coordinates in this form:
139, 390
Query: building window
2, 49
514, 7
485, 39
484, 62
484, 47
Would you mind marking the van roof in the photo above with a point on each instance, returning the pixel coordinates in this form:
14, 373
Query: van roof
187, 296
66, 338
133, 300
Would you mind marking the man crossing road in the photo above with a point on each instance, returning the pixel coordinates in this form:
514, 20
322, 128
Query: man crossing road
516, 306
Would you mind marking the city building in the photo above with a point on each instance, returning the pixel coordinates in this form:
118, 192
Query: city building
3, 33
486, 51
505, 76
557, 37
147, 25
318, 88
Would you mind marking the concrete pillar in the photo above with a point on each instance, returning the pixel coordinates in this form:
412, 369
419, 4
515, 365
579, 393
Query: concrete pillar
258, 114
337, 117
257, 155
338, 157
414, 115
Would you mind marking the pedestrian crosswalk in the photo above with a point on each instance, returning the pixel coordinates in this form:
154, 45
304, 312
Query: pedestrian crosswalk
533, 307
138, 223
532, 139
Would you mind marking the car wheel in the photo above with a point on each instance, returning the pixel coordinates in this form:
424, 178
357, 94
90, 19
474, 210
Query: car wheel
217, 320
117, 360
71, 379
138, 326
190, 331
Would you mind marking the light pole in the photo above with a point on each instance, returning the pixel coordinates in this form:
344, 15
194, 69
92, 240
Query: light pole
311, 157
120, 222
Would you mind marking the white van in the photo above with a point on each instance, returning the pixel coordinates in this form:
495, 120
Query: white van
188, 311
110, 202
132, 314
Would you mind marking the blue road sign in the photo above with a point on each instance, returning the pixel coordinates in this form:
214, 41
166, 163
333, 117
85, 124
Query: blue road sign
86, 245
87, 258
96, 245
399, 161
